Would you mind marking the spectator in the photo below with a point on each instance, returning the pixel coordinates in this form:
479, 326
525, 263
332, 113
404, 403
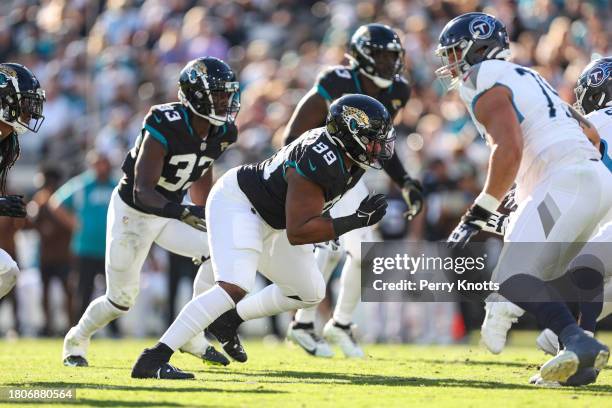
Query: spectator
54, 249
81, 204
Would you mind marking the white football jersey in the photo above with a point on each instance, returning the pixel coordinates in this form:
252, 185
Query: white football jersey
551, 136
602, 120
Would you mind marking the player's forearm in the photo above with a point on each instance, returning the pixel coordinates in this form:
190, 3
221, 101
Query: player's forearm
504, 163
153, 202
317, 229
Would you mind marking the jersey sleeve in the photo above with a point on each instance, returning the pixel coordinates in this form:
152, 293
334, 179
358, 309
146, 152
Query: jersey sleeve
155, 125
334, 82
401, 93
480, 78
320, 163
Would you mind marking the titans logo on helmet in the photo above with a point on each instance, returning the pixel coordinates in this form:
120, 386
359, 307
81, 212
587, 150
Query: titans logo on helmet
482, 27
598, 75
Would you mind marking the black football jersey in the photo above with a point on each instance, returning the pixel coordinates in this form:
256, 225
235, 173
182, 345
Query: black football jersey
187, 157
313, 155
334, 82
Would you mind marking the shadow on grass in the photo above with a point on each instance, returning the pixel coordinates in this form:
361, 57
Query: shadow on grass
312, 377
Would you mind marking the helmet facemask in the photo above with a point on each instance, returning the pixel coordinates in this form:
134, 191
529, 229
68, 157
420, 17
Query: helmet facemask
30, 111
366, 147
453, 63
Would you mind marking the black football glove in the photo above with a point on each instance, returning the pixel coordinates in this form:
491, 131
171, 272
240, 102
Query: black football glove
412, 191
194, 215
12, 206
370, 211
477, 219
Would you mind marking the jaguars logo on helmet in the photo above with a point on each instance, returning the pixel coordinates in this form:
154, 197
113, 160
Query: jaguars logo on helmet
354, 118
594, 86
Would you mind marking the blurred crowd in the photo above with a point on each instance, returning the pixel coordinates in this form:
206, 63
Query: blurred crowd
103, 63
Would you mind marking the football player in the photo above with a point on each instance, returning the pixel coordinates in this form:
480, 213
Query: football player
594, 99
267, 216
21, 109
376, 60
174, 153
562, 188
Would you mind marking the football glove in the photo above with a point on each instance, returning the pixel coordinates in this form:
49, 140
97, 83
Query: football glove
194, 215
476, 219
370, 211
12, 206
412, 191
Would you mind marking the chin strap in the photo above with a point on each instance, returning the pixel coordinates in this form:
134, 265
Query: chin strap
378, 81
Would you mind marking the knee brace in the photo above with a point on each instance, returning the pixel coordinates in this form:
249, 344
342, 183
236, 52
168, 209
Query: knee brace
122, 250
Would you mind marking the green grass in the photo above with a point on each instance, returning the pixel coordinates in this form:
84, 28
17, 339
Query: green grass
284, 376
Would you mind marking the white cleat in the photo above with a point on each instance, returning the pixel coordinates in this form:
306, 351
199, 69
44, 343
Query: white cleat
548, 342
540, 382
304, 336
74, 347
343, 337
498, 319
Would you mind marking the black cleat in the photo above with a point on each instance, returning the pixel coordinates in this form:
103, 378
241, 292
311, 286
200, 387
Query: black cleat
76, 361
581, 352
225, 330
213, 357
585, 376
151, 364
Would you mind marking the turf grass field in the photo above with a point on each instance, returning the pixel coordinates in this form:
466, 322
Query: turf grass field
284, 376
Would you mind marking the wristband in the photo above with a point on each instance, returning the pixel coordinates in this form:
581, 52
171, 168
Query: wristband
488, 202
342, 225
172, 210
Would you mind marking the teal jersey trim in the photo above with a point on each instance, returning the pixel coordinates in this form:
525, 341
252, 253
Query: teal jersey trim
157, 135
291, 163
186, 119
605, 158
340, 158
519, 115
356, 81
323, 92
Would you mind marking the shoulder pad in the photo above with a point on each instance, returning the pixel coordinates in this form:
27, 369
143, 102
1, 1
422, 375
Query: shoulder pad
320, 161
335, 81
484, 75
600, 118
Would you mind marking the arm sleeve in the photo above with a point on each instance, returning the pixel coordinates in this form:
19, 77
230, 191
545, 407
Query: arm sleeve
394, 168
